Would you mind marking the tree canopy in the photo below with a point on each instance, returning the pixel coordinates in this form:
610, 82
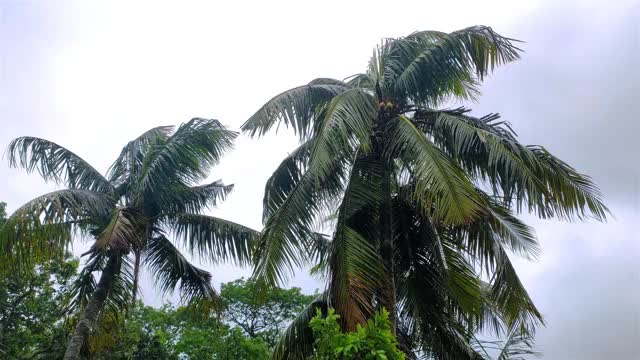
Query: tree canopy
262, 315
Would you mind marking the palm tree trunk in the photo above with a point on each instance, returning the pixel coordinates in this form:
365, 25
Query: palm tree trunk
386, 248
136, 274
90, 313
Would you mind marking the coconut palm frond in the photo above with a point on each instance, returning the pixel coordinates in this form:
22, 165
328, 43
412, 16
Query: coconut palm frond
348, 119
429, 66
289, 226
298, 108
194, 199
285, 178
171, 268
354, 264
296, 341
439, 183
184, 158
124, 232
46, 223
129, 162
574, 194
214, 239
511, 298
435, 323
516, 346
528, 175
55, 163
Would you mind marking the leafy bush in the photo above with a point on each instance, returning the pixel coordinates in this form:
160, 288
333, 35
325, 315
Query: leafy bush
373, 341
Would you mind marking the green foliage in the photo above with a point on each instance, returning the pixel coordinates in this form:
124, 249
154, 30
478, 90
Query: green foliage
151, 191
3, 213
261, 315
171, 333
31, 319
421, 202
374, 340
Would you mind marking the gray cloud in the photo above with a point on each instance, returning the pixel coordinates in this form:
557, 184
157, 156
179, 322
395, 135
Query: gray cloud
574, 92
575, 88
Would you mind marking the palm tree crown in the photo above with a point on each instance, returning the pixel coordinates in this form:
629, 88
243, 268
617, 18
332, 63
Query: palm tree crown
149, 194
422, 201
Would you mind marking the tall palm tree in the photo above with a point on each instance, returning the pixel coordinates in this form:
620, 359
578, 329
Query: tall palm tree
148, 194
422, 200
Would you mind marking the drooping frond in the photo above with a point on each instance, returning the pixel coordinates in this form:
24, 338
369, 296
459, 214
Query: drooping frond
77, 296
184, 158
64, 205
511, 298
120, 293
171, 268
348, 119
516, 346
439, 183
45, 224
497, 227
293, 209
427, 67
55, 163
193, 199
278, 249
574, 193
354, 264
512, 233
298, 108
296, 342
527, 175
285, 178
430, 268
436, 324
214, 239
125, 231
484, 241
318, 252
362, 81
129, 163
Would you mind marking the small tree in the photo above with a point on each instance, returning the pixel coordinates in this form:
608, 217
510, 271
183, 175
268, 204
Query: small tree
371, 341
262, 315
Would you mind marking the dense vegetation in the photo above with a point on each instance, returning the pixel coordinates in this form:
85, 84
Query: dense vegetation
35, 322
408, 209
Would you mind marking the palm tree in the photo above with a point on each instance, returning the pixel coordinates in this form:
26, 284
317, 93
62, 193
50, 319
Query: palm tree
422, 201
516, 346
148, 194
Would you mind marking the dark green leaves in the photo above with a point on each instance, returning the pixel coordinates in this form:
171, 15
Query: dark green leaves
298, 107
428, 67
528, 176
170, 267
186, 157
129, 164
45, 224
56, 163
439, 183
214, 239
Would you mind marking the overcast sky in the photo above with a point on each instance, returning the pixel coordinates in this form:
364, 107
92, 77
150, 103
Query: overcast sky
93, 76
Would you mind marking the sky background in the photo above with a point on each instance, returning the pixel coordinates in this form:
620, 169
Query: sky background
92, 76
